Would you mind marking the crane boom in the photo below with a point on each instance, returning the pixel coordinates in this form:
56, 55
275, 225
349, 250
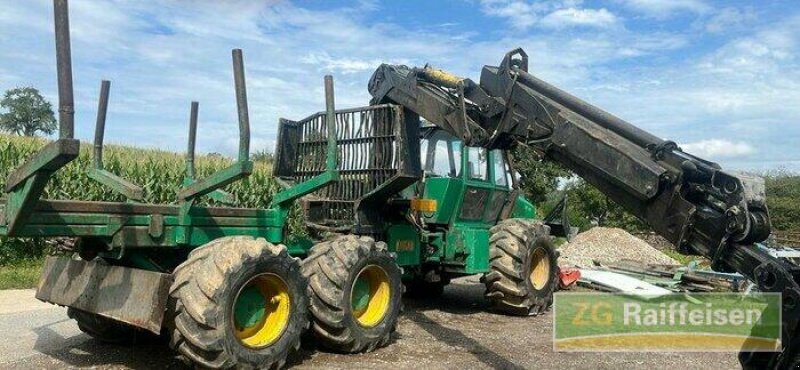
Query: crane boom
692, 202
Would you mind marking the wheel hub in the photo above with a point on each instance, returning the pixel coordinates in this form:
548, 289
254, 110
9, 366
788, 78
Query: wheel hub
370, 296
261, 311
360, 294
540, 268
250, 307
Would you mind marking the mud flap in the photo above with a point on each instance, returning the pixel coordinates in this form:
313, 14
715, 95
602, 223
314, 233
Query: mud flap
133, 296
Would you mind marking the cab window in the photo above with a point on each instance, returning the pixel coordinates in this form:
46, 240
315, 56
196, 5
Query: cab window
441, 154
500, 168
477, 164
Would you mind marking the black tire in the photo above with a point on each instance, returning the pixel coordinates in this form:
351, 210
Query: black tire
515, 245
332, 268
109, 330
203, 294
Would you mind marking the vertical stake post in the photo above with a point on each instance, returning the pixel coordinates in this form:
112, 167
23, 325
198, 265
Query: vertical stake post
100, 126
190, 169
241, 105
330, 123
66, 103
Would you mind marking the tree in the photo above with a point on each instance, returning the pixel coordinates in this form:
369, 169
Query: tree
28, 112
545, 183
591, 207
539, 176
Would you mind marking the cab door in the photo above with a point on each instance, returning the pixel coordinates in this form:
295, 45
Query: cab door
501, 180
442, 181
486, 186
478, 187
468, 237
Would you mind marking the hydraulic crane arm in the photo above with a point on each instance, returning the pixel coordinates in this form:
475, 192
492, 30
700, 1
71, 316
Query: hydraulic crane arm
692, 202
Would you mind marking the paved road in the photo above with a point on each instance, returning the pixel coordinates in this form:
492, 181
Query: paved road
453, 332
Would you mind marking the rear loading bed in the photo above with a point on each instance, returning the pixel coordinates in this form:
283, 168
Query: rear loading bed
133, 225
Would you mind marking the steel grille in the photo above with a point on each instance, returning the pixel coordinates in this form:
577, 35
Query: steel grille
367, 156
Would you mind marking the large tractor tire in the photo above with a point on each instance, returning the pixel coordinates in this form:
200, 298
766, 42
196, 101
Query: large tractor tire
238, 301
108, 330
523, 267
355, 288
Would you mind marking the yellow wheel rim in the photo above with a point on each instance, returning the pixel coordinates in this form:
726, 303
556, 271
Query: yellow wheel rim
370, 296
261, 311
540, 268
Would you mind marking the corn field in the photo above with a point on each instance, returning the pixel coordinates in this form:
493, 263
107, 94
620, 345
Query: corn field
159, 173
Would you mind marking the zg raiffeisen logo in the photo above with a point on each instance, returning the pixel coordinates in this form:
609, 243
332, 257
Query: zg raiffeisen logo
721, 322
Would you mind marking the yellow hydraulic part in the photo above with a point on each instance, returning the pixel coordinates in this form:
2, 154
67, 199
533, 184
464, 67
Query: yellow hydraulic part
261, 311
370, 296
441, 77
540, 268
424, 205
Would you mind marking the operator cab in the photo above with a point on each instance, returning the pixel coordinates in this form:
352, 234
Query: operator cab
469, 184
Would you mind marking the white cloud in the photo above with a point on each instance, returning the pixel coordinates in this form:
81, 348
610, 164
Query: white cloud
762, 52
162, 54
718, 148
550, 14
747, 88
563, 18
730, 19
343, 65
520, 14
666, 8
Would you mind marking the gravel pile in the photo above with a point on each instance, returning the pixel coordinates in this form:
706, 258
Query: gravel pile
609, 245
655, 240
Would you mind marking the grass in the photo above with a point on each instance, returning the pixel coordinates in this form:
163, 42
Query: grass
21, 274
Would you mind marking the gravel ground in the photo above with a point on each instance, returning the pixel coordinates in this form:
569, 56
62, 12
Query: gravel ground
609, 245
656, 241
452, 332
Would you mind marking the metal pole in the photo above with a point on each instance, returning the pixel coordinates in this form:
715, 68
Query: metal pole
591, 112
330, 123
241, 105
100, 125
190, 173
66, 103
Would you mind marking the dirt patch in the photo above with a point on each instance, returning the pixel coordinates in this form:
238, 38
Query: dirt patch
456, 331
610, 245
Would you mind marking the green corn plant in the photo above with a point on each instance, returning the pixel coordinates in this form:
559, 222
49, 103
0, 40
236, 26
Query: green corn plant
160, 173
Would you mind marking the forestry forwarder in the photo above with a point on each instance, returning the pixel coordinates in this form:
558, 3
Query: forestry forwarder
230, 287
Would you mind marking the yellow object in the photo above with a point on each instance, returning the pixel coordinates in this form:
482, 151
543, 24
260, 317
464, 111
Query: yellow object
271, 316
370, 296
424, 205
443, 78
404, 246
540, 268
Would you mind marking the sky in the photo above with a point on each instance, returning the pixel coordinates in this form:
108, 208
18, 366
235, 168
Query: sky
721, 78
